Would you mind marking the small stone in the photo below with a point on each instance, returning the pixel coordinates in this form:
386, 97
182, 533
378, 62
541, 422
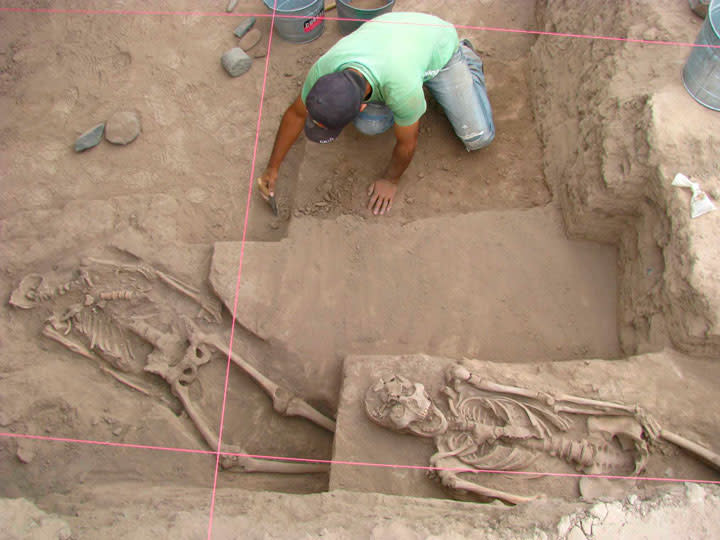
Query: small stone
244, 27
421, 174
320, 204
274, 226
90, 138
122, 127
297, 213
117, 431
409, 200
25, 452
236, 62
250, 39
231, 6
5, 419
259, 52
65, 533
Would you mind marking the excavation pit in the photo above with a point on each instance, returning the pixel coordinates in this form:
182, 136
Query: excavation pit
563, 241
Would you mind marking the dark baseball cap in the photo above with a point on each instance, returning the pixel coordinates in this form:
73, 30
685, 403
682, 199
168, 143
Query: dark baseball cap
332, 103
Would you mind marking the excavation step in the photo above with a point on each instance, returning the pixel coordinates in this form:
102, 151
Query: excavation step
505, 286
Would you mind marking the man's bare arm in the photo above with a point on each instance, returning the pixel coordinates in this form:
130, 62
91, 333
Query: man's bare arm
291, 125
406, 142
382, 192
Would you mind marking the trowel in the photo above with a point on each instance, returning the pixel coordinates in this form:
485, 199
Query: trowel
269, 198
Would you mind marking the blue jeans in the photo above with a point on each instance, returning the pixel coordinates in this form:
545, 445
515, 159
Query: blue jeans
460, 88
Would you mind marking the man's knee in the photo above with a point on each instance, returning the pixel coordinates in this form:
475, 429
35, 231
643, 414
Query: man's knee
375, 119
481, 140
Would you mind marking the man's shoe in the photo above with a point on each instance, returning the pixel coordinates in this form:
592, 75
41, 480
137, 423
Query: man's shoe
469, 45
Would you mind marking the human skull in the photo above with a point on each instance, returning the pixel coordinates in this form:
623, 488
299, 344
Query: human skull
397, 403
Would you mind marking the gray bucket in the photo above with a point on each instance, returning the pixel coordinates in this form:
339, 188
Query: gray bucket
346, 10
304, 22
701, 75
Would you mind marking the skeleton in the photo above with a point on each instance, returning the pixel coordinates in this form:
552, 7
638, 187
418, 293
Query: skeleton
35, 289
88, 329
211, 308
181, 374
494, 427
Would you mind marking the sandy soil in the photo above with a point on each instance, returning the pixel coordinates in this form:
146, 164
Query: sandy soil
182, 186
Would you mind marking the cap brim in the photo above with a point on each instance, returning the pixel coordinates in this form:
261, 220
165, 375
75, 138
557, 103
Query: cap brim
318, 134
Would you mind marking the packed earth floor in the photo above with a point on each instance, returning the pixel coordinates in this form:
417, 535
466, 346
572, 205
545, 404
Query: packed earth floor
559, 252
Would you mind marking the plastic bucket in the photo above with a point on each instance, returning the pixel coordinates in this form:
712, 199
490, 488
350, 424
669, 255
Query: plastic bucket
361, 10
304, 22
701, 75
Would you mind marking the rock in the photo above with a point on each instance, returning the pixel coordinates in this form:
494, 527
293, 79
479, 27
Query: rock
250, 39
244, 27
90, 138
231, 6
259, 52
25, 451
236, 62
122, 127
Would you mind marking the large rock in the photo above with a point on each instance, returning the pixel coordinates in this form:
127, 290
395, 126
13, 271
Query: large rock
122, 127
236, 62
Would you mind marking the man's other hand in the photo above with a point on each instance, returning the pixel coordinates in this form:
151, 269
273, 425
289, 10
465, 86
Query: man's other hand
381, 193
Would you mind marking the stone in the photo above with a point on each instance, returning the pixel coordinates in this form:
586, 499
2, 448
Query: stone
576, 534
90, 138
250, 39
231, 6
25, 451
244, 27
236, 62
122, 127
259, 52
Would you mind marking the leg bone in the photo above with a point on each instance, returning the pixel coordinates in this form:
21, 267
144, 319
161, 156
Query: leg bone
284, 402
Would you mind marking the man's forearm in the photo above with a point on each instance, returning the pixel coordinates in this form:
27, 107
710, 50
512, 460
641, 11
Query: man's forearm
290, 127
401, 157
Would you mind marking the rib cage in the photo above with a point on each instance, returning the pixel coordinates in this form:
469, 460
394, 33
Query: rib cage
105, 337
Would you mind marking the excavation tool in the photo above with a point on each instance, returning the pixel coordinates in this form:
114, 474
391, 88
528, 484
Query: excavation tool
265, 190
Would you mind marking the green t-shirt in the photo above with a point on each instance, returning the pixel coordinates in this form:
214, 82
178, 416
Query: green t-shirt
396, 53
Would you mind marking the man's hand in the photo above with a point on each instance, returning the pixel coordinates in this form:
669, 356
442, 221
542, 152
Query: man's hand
381, 193
267, 183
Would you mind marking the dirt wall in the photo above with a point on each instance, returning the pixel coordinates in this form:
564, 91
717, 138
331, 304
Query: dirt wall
614, 140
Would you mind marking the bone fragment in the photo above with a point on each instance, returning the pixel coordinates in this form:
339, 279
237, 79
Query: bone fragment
284, 401
244, 462
710, 457
77, 348
125, 381
34, 289
212, 308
